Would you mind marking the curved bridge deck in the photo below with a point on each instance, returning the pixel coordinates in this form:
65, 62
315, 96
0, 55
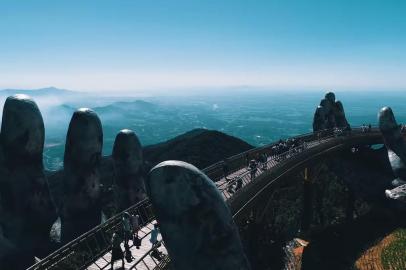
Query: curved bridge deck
239, 188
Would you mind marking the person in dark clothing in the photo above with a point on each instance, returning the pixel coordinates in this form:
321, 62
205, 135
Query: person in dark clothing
135, 220
127, 230
253, 168
238, 183
264, 159
116, 251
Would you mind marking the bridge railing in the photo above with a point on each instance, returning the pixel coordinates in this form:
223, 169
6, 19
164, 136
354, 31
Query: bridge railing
238, 161
81, 252
247, 177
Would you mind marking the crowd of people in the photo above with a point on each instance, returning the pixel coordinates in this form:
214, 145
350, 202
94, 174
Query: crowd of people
289, 147
366, 128
291, 144
131, 225
259, 161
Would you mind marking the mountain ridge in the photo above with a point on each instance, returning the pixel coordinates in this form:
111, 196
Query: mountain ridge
39, 92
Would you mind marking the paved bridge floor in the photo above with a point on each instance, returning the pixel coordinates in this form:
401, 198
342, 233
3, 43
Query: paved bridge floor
142, 258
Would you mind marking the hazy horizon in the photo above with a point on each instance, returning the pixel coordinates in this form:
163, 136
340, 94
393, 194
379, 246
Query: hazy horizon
211, 91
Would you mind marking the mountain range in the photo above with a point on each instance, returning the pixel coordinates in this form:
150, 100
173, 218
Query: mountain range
47, 91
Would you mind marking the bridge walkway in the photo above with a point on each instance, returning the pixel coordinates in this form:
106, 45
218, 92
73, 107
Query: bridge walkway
226, 185
142, 256
92, 249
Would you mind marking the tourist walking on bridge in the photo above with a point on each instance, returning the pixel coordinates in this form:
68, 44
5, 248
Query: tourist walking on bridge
238, 183
127, 231
126, 220
135, 220
154, 241
264, 159
253, 168
116, 251
154, 235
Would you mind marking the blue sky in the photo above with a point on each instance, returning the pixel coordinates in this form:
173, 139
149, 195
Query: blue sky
143, 45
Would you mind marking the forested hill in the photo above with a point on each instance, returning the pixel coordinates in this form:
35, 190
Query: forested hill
199, 147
